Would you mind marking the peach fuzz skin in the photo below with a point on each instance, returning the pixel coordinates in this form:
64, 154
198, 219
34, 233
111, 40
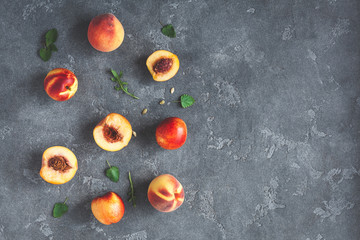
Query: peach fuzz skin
60, 84
59, 165
165, 193
171, 133
105, 33
108, 209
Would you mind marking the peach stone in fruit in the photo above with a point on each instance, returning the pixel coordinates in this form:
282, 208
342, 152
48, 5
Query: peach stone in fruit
108, 209
60, 84
59, 165
105, 33
162, 65
113, 133
165, 193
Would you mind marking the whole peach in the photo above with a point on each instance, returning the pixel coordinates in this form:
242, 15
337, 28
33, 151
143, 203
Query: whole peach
105, 33
108, 208
60, 84
165, 193
171, 133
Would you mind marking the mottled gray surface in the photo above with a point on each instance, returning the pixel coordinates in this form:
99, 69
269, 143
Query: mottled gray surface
273, 139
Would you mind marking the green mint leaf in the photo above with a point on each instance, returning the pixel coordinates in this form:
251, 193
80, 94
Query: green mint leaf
60, 209
112, 173
168, 30
186, 100
53, 48
131, 192
51, 37
45, 54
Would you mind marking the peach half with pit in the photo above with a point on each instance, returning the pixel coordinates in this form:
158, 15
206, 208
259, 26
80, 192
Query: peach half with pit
59, 165
60, 84
113, 133
105, 33
162, 65
165, 193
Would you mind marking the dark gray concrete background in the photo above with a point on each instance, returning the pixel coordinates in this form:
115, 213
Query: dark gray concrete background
273, 139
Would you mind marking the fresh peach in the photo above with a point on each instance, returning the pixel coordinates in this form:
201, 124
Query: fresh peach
108, 209
165, 193
59, 165
60, 84
171, 133
113, 133
105, 33
162, 65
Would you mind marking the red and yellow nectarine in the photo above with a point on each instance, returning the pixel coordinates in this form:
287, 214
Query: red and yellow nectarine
108, 209
171, 133
165, 193
60, 84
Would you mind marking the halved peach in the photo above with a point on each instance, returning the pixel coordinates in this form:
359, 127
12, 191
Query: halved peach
59, 165
113, 133
162, 65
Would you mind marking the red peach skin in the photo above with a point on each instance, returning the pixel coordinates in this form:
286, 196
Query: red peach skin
60, 84
171, 133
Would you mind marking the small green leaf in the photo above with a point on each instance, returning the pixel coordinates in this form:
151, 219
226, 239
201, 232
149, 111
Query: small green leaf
53, 48
45, 54
168, 30
51, 37
112, 173
115, 74
186, 100
60, 209
131, 192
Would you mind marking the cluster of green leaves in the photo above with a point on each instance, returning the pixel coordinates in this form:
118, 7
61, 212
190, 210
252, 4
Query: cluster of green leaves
50, 39
121, 84
60, 209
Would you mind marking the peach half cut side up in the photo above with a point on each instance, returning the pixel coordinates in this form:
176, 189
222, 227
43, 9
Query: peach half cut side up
162, 65
113, 133
59, 165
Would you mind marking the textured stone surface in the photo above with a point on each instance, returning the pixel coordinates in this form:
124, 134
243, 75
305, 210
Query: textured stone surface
273, 143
